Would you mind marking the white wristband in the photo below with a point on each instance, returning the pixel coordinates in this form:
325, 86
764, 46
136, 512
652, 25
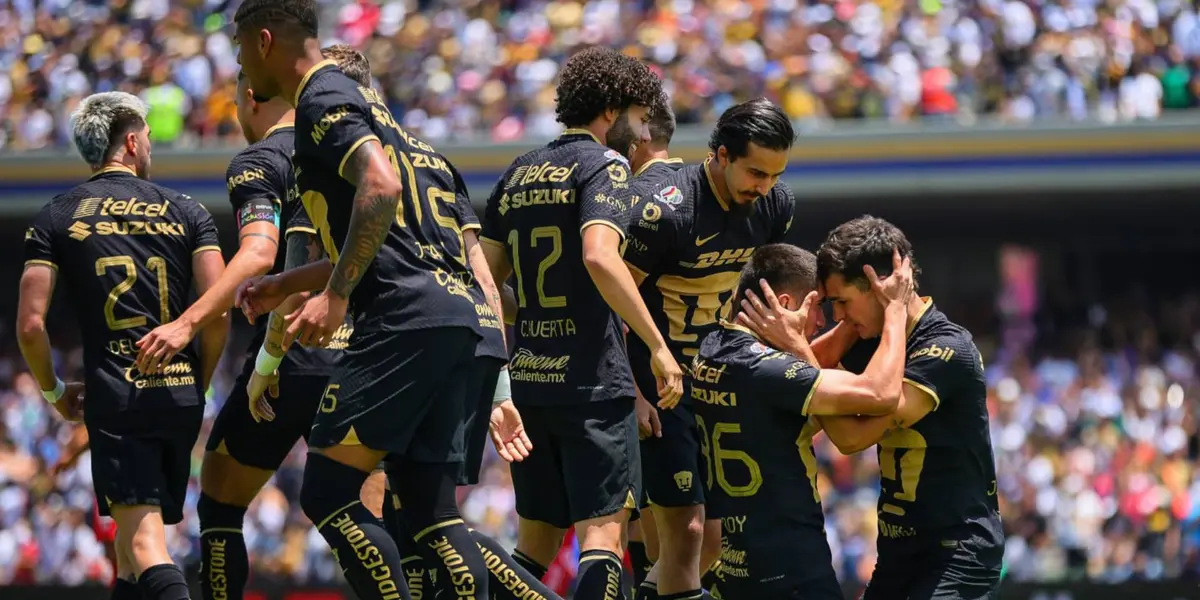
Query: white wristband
503, 388
265, 364
53, 395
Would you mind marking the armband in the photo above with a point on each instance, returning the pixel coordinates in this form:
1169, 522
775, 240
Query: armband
53, 395
265, 364
503, 388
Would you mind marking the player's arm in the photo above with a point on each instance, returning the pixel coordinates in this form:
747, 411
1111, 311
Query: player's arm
491, 238
75, 448
477, 260
36, 291
303, 248
831, 346
877, 390
377, 190
207, 267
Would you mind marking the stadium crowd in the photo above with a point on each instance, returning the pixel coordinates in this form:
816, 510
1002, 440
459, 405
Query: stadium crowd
487, 67
1096, 430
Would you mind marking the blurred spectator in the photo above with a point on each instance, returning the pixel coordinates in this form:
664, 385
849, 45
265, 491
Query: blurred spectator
488, 67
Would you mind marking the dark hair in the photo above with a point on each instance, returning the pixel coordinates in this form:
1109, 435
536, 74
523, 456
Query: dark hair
863, 241
757, 121
351, 62
662, 122
786, 268
596, 79
291, 16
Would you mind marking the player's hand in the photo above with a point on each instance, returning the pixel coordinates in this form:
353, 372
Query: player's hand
70, 405
257, 390
315, 322
157, 348
508, 433
895, 288
649, 424
781, 328
669, 376
258, 296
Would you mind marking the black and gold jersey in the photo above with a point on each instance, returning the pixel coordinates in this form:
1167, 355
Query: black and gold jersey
260, 180
569, 346
658, 169
690, 249
492, 344
123, 248
419, 279
940, 472
760, 472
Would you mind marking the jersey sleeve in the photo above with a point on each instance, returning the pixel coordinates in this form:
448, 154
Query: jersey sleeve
39, 240
785, 210
937, 366
493, 230
298, 221
254, 198
786, 381
341, 121
604, 195
464, 213
204, 230
650, 236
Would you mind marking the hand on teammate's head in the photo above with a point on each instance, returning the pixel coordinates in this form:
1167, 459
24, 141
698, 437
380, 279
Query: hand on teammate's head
895, 287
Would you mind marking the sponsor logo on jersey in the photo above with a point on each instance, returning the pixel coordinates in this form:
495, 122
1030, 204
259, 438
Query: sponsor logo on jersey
614, 155
671, 196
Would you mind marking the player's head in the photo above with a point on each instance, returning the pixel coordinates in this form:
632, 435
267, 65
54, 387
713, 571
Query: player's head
110, 127
751, 143
847, 249
352, 62
791, 272
661, 128
255, 113
599, 86
270, 35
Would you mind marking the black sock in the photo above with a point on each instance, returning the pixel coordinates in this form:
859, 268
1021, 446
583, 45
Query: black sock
647, 591
123, 589
163, 582
529, 564
641, 562
692, 595
508, 579
599, 576
224, 565
430, 499
363, 548
415, 574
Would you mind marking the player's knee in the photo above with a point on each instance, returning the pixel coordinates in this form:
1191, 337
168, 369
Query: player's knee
228, 481
683, 524
427, 492
539, 541
328, 487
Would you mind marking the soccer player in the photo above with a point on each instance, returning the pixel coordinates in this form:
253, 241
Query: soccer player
756, 410
382, 202
104, 528
940, 534
652, 161
694, 231
130, 251
570, 375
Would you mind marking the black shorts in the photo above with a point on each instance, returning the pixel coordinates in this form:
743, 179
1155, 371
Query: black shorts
671, 463
799, 566
483, 389
584, 462
402, 393
964, 566
265, 445
144, 458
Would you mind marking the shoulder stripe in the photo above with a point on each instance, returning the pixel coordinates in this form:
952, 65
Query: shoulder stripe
472, 227
604, 222
299, 229
206, 249
346, 157
812, 390
39, 262
924, 388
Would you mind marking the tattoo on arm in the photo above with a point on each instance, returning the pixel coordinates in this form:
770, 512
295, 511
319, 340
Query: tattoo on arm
371, 218
302, 249
261, 235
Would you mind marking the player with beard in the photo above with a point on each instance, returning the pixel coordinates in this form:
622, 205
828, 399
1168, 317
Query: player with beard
130, 252
570, 373
695, 230
652, 161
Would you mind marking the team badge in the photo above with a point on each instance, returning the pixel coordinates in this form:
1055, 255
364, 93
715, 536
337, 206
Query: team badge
758, 348
614, 155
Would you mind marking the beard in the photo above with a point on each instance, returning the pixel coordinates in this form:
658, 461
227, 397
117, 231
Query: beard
740, 212
620, 136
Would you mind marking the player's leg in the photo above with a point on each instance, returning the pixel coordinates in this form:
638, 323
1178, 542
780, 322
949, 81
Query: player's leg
602, 476
672, 478
968, 570
241, 456
710, 553
124, 581
541, 497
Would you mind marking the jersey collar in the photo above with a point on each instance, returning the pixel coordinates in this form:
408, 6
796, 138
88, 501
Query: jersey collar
113, 169
308, 76
735, 327
278, 127
713, 185
927, 302
580, 131
655, 161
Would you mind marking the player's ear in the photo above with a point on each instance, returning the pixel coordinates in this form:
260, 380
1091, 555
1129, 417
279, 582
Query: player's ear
266, 42
610, 115
723, 156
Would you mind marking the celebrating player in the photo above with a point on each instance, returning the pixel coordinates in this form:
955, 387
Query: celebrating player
382, 202
939, 527
755, 410
570, 375
694, 231
130, 251
651, 160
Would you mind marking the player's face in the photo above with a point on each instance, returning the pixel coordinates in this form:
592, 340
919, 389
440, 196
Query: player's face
254, 51
629, 131
753, 175
245, 109
141, 152
855, 307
